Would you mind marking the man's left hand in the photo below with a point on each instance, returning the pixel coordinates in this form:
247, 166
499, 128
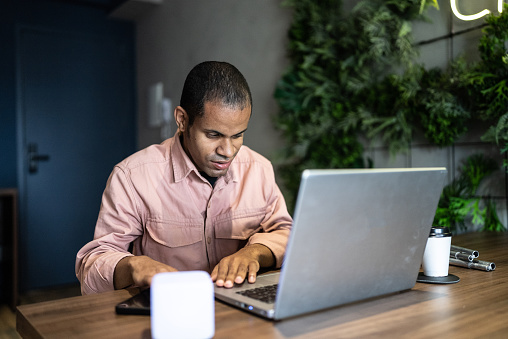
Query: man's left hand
244, 263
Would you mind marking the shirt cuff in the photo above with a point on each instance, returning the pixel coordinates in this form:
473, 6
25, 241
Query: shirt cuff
276, 241
100, 276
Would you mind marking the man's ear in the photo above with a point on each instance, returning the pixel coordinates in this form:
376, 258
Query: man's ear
181, 118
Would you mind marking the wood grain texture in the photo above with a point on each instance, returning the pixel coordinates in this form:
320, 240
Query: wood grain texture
476, 307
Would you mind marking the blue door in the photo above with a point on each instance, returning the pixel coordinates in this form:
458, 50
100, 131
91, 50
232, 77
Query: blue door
76, 121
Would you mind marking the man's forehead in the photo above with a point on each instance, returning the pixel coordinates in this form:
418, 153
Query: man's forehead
224, 119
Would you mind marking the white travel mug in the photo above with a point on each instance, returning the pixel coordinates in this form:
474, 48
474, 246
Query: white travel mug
436, 258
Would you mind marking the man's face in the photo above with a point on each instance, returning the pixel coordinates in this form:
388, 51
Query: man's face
214, 139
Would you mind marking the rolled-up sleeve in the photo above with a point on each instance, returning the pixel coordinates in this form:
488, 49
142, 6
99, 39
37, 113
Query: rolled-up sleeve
117, 226
276, 227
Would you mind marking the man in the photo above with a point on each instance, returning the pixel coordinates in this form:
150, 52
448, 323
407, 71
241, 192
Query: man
197, 201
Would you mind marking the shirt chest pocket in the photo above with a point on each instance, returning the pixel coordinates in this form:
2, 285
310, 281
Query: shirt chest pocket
239, 225
173, 233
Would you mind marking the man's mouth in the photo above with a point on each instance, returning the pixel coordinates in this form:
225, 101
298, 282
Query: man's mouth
221, 165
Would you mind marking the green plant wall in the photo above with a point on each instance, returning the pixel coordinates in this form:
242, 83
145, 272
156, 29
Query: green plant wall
353, 75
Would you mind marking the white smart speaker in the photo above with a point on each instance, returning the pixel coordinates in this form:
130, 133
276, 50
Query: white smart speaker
182, 305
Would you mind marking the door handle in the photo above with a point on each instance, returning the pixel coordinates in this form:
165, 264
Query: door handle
34, 157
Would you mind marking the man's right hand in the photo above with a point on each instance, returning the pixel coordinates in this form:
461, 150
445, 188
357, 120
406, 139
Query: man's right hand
138, 270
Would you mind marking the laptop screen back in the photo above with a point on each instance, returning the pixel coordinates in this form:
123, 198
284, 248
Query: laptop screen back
356, 234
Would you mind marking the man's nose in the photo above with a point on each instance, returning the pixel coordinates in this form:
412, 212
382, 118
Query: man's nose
226, 148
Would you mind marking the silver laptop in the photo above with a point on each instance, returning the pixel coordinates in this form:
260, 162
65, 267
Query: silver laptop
356, 234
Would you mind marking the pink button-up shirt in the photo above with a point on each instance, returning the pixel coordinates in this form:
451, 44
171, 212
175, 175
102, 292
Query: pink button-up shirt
157, 200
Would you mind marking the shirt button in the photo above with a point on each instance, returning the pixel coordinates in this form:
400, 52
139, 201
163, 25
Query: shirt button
209, 240
209, 204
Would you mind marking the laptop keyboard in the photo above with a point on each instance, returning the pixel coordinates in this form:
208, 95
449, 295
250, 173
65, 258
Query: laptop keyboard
265, 294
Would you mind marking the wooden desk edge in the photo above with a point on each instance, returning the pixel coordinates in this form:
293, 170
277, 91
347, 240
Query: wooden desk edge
25, 313
24, 327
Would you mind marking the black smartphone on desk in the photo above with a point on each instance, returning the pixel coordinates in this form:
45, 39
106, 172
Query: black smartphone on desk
138, 304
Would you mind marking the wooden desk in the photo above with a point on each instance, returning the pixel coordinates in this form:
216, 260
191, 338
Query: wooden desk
475, 307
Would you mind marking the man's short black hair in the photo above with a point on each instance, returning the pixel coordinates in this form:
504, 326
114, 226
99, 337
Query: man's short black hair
214, 81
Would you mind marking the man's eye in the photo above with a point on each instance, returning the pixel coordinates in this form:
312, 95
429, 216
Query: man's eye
212, 135
237, 136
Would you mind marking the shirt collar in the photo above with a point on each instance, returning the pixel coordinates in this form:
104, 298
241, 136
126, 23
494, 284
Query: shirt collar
183, 165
